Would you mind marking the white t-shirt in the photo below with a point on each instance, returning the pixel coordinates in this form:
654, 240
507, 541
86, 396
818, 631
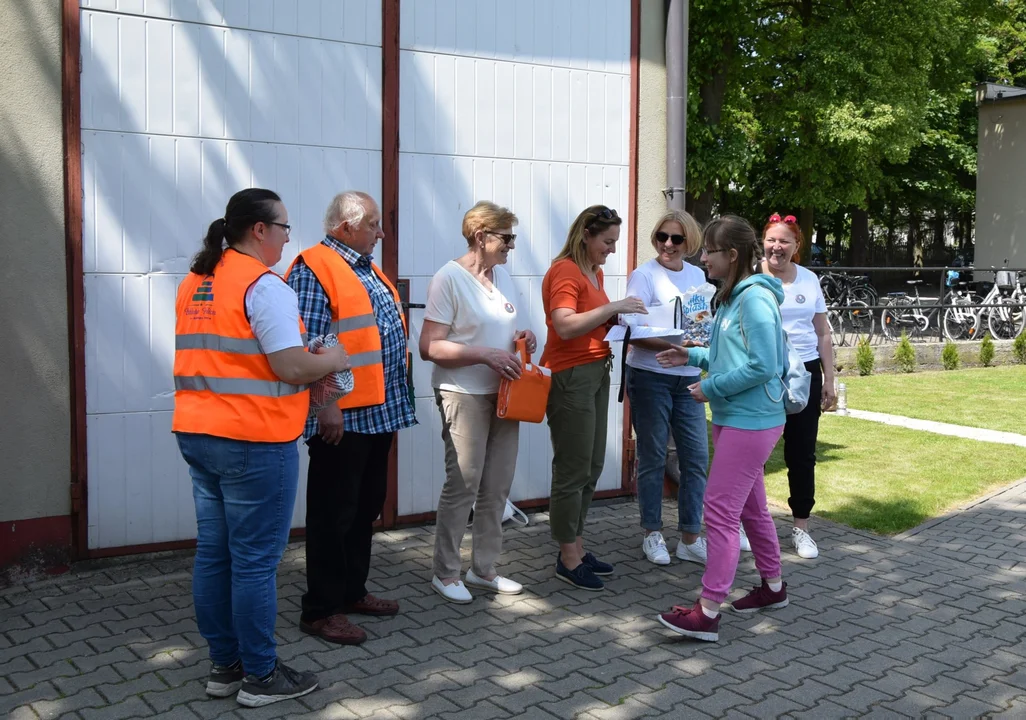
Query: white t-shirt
655, 285
273, 310
476, 316
802, 300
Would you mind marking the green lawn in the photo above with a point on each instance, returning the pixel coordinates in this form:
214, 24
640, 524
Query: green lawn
887, 479
992, 398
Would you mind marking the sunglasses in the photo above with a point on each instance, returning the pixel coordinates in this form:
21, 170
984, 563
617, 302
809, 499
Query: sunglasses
507, 238
603, 214
662, 237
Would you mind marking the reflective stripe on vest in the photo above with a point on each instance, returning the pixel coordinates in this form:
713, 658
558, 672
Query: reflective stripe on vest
237, 386
218, 343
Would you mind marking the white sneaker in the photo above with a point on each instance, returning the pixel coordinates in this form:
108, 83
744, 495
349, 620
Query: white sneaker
457, 592
745, 545
804, 544
655, 548
501, 585
696, 552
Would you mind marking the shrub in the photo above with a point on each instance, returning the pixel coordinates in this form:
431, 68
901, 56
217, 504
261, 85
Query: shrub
905, 354
986, 351
1019, 348
949, 356
865, 360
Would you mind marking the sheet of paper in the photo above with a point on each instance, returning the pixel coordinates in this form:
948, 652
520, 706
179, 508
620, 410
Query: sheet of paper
617, 332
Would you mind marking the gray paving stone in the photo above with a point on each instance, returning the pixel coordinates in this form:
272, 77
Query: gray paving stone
87, 698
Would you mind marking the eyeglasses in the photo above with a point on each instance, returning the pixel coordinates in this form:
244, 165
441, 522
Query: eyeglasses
507, 238
707, 251
662, 237
603, 214
283, 226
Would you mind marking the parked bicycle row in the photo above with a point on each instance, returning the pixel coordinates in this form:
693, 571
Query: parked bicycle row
961, 310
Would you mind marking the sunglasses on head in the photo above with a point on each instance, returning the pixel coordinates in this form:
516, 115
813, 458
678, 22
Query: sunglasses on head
603, 214
789, 220
662, 237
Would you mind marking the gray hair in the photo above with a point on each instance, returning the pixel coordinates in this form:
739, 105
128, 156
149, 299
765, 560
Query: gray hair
349, 206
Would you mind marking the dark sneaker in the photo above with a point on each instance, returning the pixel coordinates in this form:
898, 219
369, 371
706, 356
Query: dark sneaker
283, 683
581, 576
225, 680
692, 622
761, 598
597, 566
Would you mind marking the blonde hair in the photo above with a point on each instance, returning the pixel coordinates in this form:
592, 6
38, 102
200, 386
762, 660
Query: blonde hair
692, 230
589, 222
486, 216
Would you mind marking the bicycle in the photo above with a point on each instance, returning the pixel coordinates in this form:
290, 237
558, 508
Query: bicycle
911, 320
850, 315
1002, 306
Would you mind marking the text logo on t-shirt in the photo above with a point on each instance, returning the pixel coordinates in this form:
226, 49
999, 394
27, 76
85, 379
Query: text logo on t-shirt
509, 308
800, 299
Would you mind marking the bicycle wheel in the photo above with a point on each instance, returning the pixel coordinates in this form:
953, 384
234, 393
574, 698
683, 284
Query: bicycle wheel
858, 321
836, 328
894, 319
960, 323
1006, 322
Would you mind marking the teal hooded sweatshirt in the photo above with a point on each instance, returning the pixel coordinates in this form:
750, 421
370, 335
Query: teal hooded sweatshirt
744, 385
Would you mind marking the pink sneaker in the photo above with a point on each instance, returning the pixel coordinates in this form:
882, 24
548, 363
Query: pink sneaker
692, 622
761, 598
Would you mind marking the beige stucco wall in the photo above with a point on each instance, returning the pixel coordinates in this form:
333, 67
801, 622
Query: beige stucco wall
651, 123
1001, 185
34, 397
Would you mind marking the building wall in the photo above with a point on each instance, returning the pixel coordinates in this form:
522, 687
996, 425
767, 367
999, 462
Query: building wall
34, 385
526, 104
1000, 180
651, 123
184, 104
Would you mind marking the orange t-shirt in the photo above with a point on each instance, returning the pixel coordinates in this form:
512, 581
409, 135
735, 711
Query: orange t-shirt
565, 286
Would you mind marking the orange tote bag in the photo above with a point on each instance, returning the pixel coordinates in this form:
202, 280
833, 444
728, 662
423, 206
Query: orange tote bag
525, 399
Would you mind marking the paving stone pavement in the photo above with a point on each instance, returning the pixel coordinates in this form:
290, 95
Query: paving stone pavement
930, 623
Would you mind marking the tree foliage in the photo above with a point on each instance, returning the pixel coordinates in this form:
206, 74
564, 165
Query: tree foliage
845, 108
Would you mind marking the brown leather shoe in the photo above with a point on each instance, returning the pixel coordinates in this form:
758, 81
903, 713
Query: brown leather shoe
335, 629
371, 605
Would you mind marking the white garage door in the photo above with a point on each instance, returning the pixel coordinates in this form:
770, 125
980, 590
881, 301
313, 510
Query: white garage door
526, 104
183, 103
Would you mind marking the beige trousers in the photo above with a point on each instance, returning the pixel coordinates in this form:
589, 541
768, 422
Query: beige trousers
480, 459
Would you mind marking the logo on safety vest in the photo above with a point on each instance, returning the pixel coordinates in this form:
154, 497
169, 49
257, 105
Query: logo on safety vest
205, 292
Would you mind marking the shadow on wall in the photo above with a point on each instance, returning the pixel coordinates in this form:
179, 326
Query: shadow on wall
546, 137
34, 391
233, 115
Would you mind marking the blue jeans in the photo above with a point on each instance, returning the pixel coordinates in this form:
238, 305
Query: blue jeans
244, 494
661, 404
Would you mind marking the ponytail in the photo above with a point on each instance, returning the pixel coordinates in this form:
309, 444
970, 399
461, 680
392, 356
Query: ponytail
245, 209
213, 247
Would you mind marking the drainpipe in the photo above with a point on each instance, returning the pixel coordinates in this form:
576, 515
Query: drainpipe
676, 101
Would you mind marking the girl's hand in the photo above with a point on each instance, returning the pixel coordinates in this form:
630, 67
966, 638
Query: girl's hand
673, 357
696, 392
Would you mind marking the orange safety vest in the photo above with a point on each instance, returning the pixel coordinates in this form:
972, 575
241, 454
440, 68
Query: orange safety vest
224, 385
353, 321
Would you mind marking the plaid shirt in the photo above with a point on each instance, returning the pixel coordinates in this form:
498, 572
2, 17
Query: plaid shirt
396, 412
